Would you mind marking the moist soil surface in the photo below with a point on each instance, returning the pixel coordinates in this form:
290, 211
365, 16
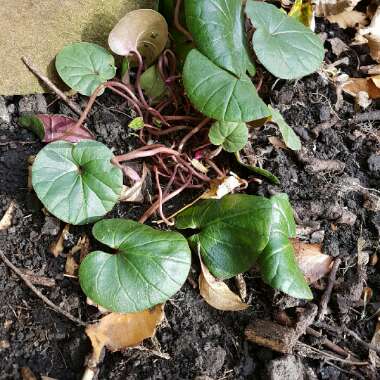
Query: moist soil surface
336, 205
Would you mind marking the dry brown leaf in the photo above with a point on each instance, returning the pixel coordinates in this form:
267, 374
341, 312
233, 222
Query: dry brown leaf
217, 294
222, 186
338, 46
119, 331
82, 246
27, 374
312, 262
6, 220
372, 34
355, 85
276, 142
135, 192
333, 7
349, 19
373, 356
56, 248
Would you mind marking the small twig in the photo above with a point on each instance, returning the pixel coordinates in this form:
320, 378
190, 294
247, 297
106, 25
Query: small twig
51, 86
39, 294
332, 357
177, 23
345, 371
327, 294
192, 133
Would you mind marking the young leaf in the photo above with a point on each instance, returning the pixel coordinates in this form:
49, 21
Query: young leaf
232, 136
277, 262
142, 30
152, 83
219, 94
77, 183
148, 268
233, 231
282, 44
290, 138
84, 66
137, 123
54, 127
217, 27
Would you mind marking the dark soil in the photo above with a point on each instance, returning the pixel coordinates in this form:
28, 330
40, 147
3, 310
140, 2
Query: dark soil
335, 207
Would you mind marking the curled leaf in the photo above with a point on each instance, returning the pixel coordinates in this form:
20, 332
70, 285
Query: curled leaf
119, 331
217, 294
55, 127
142, 30
312, 262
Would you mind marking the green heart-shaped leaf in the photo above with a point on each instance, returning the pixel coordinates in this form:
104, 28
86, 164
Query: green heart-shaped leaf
218, 94
217, 29
290, 138
152, 83
77, 183
148, 268
232, 136
282, 44
137, 123
84, 66
233, 231
277, 262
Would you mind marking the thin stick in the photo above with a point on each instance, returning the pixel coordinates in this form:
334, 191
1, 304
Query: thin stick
39, 294
327, 294
51, 86
177, 23
144, 153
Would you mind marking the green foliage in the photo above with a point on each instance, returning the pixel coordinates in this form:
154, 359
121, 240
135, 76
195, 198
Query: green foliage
219, 94
277, 262
77, 183
85, 66
34, 124
282, 44
148, 268
152, 83
218, 31
232, 136
290, 138
238, 229
137, 123
233, 231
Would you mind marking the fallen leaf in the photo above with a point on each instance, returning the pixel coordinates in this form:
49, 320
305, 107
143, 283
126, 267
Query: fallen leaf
6, 220
223, 186
312, 262
373, 70
82, 246
372, 34
302, 10
119, 331
355, 85
37, 279
333, 7
276, 142
217, 294
338, 46
362, 99
349, 19
27, 374
55, 127
134, 193
56, 248
373, 356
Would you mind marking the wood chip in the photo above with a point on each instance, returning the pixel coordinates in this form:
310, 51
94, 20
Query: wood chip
6, 220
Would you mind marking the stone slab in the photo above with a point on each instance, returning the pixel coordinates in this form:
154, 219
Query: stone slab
38, 29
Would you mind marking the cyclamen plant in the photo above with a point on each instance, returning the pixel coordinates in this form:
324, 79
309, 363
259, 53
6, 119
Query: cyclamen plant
200, 94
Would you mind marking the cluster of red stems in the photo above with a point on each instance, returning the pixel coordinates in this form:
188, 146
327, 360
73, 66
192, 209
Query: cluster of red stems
175, 113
